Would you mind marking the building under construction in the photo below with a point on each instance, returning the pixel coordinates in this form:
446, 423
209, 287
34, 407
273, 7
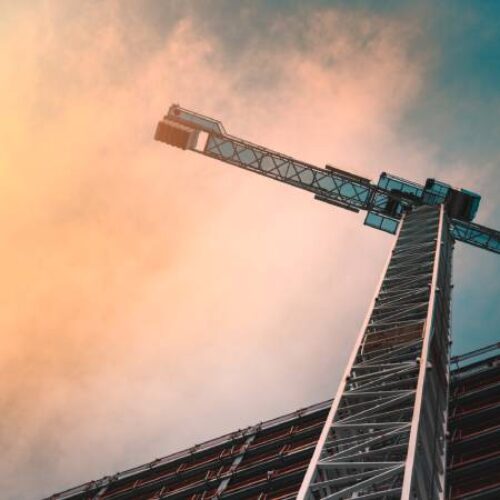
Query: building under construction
269, 460
407, 422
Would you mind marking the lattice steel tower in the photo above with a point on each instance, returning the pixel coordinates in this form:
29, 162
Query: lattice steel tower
385, 435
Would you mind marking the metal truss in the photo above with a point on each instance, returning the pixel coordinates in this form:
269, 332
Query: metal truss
353, 193
385, 435
337, 187
476, 235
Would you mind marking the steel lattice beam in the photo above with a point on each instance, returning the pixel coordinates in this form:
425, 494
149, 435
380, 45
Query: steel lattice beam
385, 434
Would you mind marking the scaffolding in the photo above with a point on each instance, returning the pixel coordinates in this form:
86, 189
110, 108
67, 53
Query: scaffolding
474, 426
273, 465
267, 460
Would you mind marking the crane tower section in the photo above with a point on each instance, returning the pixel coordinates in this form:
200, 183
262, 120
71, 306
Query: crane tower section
385, 434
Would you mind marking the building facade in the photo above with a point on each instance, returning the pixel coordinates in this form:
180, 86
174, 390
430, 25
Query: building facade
268, 461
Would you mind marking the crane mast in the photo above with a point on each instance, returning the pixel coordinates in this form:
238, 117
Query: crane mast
385, 435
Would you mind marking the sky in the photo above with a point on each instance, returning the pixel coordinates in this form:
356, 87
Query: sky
152, 298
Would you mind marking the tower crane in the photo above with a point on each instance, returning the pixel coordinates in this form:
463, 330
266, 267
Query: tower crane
385, 434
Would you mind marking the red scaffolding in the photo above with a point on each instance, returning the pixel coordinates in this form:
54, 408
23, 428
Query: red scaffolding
268, 461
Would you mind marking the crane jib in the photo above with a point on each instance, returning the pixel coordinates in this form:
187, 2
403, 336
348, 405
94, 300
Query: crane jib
322, 182
385, 202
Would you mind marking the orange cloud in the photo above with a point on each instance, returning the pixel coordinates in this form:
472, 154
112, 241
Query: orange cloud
152, 298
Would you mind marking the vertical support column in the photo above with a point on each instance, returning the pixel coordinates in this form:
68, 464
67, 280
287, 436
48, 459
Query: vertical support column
384, 437
236, 462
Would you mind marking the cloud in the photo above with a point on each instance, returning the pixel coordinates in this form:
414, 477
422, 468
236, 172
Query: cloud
153, 298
